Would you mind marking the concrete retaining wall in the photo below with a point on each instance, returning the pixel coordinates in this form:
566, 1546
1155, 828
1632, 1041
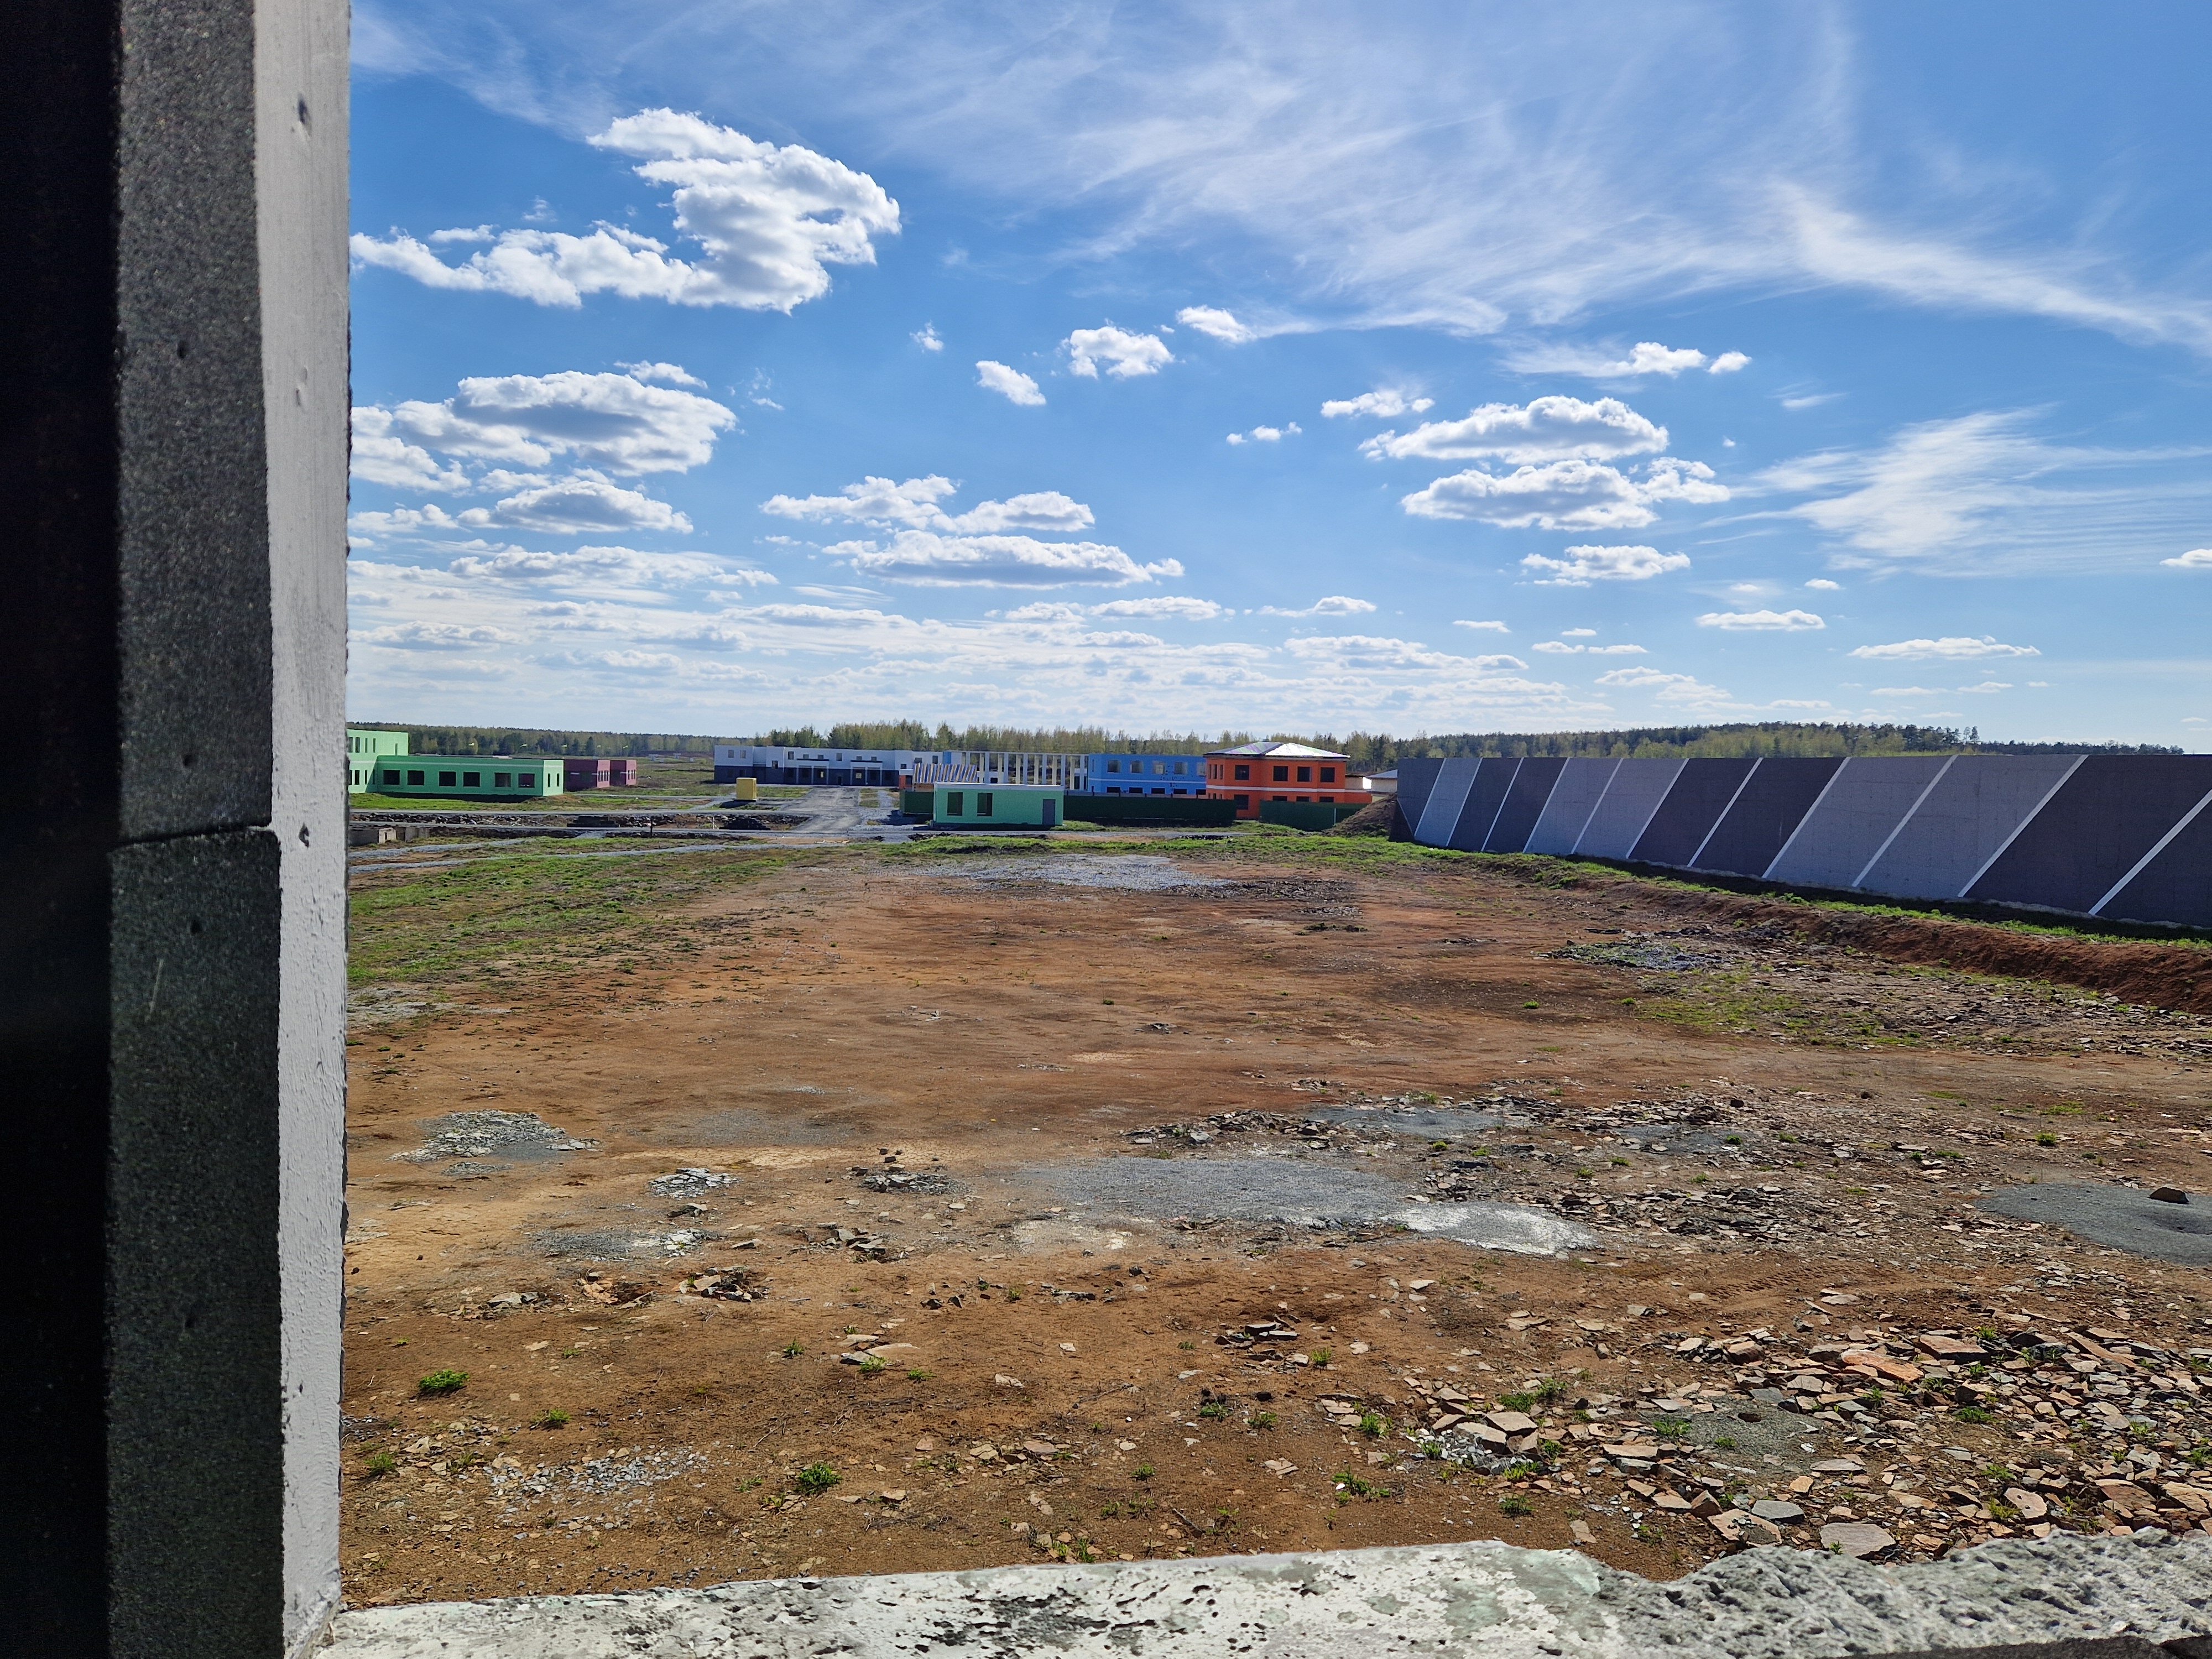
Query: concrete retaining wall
2124, 836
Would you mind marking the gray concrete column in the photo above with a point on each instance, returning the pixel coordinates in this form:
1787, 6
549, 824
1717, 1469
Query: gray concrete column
173, 451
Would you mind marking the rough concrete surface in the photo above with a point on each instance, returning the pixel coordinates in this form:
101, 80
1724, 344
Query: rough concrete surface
1764, 1604
2125, 1218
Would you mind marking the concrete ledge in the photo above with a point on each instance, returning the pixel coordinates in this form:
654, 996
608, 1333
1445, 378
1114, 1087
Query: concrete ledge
1508, 1602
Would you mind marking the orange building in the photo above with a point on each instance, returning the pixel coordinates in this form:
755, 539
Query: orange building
1262, 772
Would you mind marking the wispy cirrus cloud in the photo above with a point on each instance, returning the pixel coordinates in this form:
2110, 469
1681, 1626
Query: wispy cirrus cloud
1987, 494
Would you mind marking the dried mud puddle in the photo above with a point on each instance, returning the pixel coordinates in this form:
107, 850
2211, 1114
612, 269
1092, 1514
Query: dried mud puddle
1289, 1191
1126, 872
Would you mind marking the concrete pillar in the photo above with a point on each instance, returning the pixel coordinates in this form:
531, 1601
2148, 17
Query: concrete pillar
172, 857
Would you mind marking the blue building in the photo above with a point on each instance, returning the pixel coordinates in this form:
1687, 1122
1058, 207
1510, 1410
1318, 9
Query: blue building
1142, 775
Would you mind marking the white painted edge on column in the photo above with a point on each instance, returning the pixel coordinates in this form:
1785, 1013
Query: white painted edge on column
1677, 778
1429, 806
1504, 795
1597, 801
2034, 813
1742, 784
1919, 800
2137, 867
1783, 851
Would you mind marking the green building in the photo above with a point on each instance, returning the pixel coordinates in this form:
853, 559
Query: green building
999, 806
363, 751
479, 777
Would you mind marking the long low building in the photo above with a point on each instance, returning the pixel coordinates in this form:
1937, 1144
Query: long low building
2123, 837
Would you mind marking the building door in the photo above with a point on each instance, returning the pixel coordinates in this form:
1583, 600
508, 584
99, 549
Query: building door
1051, 813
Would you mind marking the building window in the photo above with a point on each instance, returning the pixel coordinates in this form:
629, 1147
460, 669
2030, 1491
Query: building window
1328, 775
1181, 769
1279, 798
1113, 766
502, 780
1243, 774
1305, 775
447, 780
956, 804
471, 779
414, 778
1160, 792
982, 805
1244, 803
1282, 775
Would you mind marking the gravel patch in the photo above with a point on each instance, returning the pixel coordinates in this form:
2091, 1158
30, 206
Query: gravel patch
2122, 1217
471, 1135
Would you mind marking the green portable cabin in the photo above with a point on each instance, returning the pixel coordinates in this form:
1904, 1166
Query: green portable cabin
364, 749
475, 777
998, 806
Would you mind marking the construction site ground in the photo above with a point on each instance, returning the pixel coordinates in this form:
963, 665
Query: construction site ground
761, 1210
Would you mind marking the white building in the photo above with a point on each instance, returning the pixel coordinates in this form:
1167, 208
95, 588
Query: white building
889, 767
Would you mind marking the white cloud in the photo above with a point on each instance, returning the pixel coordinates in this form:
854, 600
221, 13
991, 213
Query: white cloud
1011, 383
920, 558
769, 222
1821, 584
1951, 648
913, 504
613, 421
1179, 606
437, 637
1221, 325
872, 500
1578, 633
662, 374
1125, 355
2198, 558
1584, 565
925, 337
1988, 686
1564, 496
1809, 399
1336, 604
579, 505
1483, 627
381, 457
1265, 434
625, 568
1645, 357
1762, 622
1384, 403
1560, 648
1727, 364
1686, 689
1543, 430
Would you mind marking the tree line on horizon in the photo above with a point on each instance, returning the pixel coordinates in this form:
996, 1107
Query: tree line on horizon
1369, 752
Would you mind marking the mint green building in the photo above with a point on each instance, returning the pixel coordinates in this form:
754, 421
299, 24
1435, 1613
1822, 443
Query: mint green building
998, 806
479, 777
363, 750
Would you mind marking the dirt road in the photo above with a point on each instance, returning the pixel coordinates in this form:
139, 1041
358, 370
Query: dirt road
868, 1209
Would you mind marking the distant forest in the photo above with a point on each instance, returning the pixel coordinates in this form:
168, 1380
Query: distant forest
1368, 751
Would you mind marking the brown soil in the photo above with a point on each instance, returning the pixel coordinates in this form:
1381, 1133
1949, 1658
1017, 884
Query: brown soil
1052, 1374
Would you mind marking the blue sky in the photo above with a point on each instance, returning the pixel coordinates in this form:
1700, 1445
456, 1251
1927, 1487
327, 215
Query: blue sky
1283, 368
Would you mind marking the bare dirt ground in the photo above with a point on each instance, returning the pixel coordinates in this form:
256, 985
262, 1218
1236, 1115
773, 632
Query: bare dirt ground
870, 1210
